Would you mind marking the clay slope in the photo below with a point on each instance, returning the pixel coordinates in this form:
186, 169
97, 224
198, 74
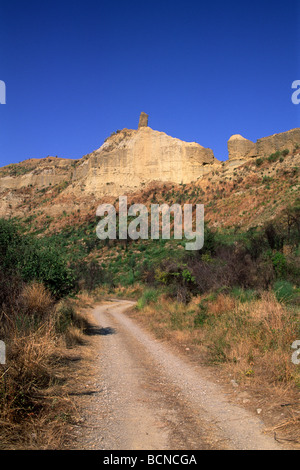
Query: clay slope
151, 166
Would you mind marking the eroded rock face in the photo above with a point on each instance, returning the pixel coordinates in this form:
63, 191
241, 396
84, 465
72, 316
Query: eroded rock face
286, 140
133, 158
130, 159
126, 161
143, 122
241, 148
38, 173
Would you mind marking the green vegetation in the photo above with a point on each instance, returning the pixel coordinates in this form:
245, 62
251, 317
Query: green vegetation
259, 161
75, 258
149, 295
249, 335
237, 299
57, 261
34, 259
15, 169
278, 155
36, 321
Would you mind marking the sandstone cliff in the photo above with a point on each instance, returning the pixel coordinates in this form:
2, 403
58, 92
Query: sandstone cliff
132, 158
38, 173
128, 161
286, 140
149, 165
240, 148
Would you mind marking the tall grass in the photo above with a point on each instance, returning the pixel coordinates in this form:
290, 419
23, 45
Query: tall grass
250, 336
149, 296
31, 404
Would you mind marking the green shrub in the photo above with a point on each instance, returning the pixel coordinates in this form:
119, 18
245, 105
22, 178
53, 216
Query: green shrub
128, 279
201, 316
89, 275
279, 263
244, 295
259, 161
149, 296
65, 317
35, 259
274, 156
267, 179
46, 263
284, 291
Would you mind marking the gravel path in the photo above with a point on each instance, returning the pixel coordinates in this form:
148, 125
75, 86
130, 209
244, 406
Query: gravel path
151, 398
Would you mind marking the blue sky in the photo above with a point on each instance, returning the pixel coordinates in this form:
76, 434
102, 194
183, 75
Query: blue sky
75, 71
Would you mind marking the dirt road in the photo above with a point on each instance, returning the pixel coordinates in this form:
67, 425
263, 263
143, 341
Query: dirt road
148, 397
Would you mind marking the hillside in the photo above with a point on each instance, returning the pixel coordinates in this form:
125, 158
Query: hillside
138, 162
248, 194
237, 195
234, 304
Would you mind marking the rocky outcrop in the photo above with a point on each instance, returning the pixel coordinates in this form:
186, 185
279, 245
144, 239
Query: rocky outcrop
38, 173
143, 122
241, 148
130, 159
286, 140
133, 158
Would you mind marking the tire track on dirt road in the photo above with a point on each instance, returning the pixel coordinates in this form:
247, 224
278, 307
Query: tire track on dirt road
153, 399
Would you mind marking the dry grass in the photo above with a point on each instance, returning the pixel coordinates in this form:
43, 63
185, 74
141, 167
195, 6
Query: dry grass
251, 339
248, 342
74, 335
35, 410
261, 346
36, 299
124, 292
31, 391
